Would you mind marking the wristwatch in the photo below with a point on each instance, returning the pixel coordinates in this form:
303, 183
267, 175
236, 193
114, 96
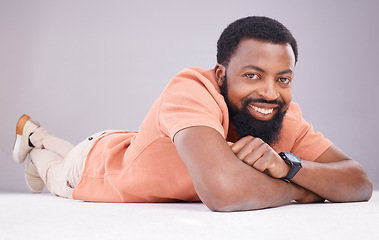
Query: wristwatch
292, 160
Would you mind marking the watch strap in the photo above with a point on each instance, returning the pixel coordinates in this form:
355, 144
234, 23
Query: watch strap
294, 169
295, 166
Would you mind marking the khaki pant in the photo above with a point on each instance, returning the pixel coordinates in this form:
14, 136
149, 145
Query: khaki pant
58, 162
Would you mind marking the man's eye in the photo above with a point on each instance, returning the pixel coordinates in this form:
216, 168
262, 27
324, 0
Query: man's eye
252, 75
285, 80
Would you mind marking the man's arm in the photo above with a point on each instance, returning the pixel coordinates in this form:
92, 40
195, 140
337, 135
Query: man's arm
333, 176
336, 177
223, 182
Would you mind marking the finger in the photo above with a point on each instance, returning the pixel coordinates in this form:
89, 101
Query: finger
252, 158
237, 146
272, 163
255, 160
250, 148
261, 164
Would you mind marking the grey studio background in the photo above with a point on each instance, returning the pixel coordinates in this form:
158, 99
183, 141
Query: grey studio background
83, 66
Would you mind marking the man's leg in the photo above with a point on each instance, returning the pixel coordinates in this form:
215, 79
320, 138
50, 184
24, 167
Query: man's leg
59, 165
51, 169
29, 136
21, 148
41, 138
52, 161
33, 180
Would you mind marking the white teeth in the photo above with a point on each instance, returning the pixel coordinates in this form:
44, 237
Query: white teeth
262, 110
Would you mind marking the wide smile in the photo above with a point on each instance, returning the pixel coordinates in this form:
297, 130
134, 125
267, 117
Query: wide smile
263, 112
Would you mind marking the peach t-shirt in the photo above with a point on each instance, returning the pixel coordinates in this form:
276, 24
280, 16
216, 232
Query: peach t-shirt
144, 166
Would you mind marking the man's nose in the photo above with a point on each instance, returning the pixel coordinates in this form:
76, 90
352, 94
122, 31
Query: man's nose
268, 90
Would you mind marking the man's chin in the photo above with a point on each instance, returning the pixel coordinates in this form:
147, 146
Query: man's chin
247, 125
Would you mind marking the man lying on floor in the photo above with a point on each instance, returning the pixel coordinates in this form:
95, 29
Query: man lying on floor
229, 137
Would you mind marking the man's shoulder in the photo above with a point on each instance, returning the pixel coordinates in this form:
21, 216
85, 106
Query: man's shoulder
196, 73
196, 78
293, 112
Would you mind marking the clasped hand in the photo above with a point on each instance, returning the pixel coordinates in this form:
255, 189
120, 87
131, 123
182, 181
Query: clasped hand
258, 154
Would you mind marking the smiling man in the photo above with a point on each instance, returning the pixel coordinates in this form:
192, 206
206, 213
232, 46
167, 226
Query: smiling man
230, 137
260, 87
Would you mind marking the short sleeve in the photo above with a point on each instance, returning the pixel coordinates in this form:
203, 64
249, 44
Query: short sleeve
189, 100
308, 145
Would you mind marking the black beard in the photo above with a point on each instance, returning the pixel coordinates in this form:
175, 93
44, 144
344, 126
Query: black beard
247, 125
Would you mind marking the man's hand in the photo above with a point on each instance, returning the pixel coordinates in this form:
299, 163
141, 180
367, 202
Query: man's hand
259, 155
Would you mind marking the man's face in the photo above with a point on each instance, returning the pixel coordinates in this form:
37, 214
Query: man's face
256, 85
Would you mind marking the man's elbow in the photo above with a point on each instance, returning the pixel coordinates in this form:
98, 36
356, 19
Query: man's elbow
361, 191
368, 190
217, 204
226, 205
227, 199
365, 188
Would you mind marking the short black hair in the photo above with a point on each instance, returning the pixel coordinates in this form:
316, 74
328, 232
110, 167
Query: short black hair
253, 27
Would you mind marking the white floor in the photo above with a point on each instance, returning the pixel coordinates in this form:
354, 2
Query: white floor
43, 216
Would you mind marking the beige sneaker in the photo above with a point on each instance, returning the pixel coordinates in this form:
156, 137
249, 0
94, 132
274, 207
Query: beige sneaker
33, 180
25, 127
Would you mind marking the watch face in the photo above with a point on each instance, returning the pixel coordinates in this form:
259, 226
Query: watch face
293, 158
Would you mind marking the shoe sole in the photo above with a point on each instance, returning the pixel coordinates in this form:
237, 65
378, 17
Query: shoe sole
17, 143
16, 149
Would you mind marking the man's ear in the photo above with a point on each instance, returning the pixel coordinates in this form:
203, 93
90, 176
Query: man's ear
220, 74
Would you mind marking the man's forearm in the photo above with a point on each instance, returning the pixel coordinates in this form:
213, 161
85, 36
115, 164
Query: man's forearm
341, 181
252, 190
